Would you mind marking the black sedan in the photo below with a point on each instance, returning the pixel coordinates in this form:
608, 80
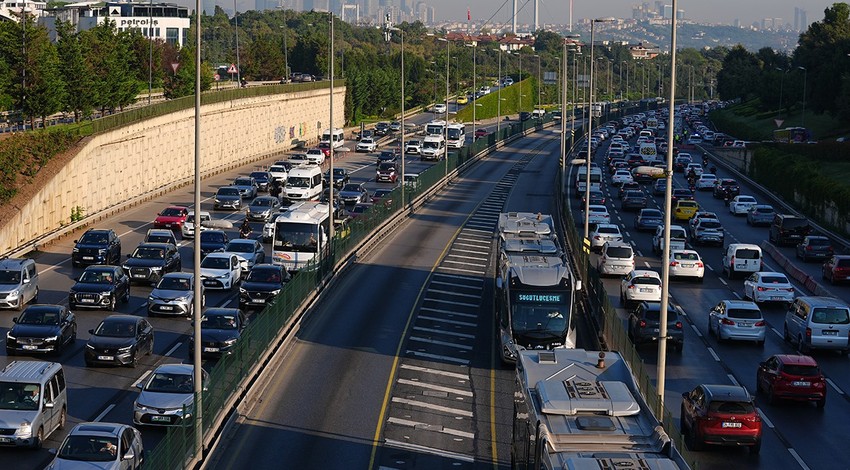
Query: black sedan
648, 219
41, 329
596, 198
212, 241
100, 287
263, 283
263, 179
681, 194
627, 186
633, 200
221, 329
150, 261
119, 340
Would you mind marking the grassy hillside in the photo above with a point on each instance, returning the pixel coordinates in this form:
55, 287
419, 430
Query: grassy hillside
488, 108
748, 121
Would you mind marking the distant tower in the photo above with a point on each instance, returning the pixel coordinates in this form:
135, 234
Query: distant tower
796, 18
536, 16
804, 23
513, 19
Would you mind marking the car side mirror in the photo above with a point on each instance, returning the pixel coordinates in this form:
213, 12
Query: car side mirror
53, 451
48, 405
140, 385
15, 320
91, 332
130, 455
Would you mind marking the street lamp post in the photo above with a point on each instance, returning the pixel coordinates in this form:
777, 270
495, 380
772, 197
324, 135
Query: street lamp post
331, 130
589, 133
474, 84
401, 32
805, 75
539, 81
196, 249
499, 102
781, 83
446, 126
150, 50
238, 65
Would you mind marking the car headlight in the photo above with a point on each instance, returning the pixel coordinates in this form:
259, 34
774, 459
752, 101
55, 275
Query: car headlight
274, 292
217, 201
140, 407
156, 268
125, 267
25, 430
9, 336
223, 276
151, 299
242, 290
89, 346
125, 350
75, 250
13, 294
51, 339
185, 298
106, 293
230, 342
101, 251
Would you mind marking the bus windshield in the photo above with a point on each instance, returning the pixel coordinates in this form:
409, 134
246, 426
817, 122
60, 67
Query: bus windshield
434, 129
454, 134
540, 314
296, 237
298, 182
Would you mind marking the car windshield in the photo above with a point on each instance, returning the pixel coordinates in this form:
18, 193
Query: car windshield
10, 277
19, 396
228, 192
239, 246
242, 182
277, 169
831, 316
710, 224
797, 369
774, 279
264, 275
743, 313
655, 315
298, 182
731, 407
146, 252
355, 188
89, 448
94, 238
172, 212
819, 242
216, 262
386, 167
747, 253
159, 239
794, 223
650, 214
213, 237
191, 218
174, 283
219, 322
262, 202
608, 229
37, 316
619, 252
116, 329
96, 277
170, 383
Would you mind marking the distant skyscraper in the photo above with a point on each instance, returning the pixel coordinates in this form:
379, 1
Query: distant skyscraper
680, 14
804, 23
667, 12
659, 7
796, 18
736, 23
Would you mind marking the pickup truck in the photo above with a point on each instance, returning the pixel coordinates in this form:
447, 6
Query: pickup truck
678, 236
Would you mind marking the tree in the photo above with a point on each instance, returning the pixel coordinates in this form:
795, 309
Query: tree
43, 88
740, 74
548, 41
822, 51
182, 82
264, 60
114, 83
77, 74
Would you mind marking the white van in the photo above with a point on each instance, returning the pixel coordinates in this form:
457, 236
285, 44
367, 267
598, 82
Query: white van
581, 180
304, 182
338, 138
741, 258
18, 283
33, 402
433, 148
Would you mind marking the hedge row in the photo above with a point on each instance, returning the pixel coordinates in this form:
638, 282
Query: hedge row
22, 155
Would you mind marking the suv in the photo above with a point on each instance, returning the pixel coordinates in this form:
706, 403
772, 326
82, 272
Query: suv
150, 261
126, 441
382, 128
100, 287
720, 414
815, 247
263, 284
96, 246
18, 283
791, 377
617, 258
644, 322
788, 229
44, 406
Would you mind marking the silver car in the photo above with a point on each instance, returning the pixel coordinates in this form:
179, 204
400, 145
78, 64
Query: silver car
262, 208
167, 395
249, 251
106, 446
174, 294
738, 320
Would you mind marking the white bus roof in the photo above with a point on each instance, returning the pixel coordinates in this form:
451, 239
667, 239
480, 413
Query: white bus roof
436, 123
536, 270
517, 243
525, 222
305, 212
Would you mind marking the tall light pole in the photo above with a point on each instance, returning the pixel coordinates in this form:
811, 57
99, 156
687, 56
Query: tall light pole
665, 265
401, 32
457, 78
150, 50
499, 102
331, 130
539, 81
446, 126
197, 306
238, 65
575, 96
781, 83
519, 53
805, 75
474, 84
586, 240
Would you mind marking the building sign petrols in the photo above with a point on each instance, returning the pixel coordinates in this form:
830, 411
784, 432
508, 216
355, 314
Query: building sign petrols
137, 22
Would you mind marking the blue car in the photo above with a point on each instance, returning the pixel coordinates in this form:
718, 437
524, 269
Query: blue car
648, 219
212, 241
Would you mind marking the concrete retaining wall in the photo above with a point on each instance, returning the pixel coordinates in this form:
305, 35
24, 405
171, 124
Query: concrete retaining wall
138, 161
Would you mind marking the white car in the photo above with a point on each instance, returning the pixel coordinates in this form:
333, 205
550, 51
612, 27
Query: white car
315, 156
102, 446
768, 287
221, 270
696, 167
640, 285
165, 394
413, 147
439, 108
706, 182
188, 228
741, 204
367, 144
622, 176
686, 263
298, 159
485, 90
605, 233
598, 215
279, 173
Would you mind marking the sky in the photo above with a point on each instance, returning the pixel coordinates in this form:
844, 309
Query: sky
703, 11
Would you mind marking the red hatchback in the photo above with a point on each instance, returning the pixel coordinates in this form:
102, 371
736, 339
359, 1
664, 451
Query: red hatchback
836, 268
722, 415
791, 377
171, 217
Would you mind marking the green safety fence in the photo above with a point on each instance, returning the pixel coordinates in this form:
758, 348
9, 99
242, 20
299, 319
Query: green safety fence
177, 448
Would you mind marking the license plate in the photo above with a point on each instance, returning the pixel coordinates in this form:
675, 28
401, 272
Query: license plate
29, 347
210, 349
731, 425
646, 290
161, 419
209, 283
799, 383
166, 307
687, 266
744, 324
88, 258
5, 439
87, 301
258, 301
830, 332
775, 297
105, 358
139, 275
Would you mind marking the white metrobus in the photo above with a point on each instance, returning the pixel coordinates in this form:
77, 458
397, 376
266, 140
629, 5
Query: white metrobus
456, 136
299, 235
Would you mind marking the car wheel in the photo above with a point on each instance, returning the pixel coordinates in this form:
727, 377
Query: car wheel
694, 441
35, 297
134, 361
802, 346
755, 448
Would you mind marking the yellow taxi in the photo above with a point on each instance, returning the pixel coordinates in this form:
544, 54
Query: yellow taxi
685, 210
462, 99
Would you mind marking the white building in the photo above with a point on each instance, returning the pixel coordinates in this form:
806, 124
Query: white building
168, 22
12, 10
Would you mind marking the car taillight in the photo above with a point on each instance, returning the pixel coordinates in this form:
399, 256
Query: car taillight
700, 265
674, 263
678, 325
761, 289
727, 321
733, 260
632, 286
760, 323
643, 324
808, 248
808, 332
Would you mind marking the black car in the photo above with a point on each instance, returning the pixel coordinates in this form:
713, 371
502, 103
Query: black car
119, 340
681, 194
387, 156
597, 198
212, 241
100, 287
263, 283
633, 200
228, 197
626, 187
726, 188
96, 246
366, 133
815, 247
524, 116
352, 193
659, 187
680, 163
221, 329
788, 229
41, 329
382, 128
644, 322
263, 179
341, 177
149, 261
648, 219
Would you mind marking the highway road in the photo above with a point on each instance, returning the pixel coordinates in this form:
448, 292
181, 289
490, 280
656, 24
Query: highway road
404, 375
107, 394
795, 435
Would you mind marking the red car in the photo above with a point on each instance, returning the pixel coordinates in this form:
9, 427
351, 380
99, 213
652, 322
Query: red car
172, 217
836, 268
722, 415
481, 133
791, 377
325, 147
